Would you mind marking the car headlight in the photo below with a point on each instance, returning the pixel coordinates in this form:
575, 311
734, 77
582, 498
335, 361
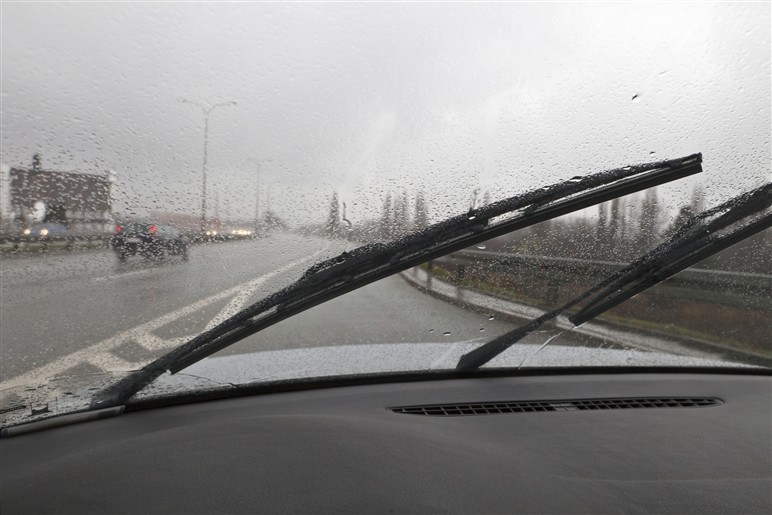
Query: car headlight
43, 232
26, 232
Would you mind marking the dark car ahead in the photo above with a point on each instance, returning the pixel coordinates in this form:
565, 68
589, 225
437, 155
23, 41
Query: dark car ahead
148, 240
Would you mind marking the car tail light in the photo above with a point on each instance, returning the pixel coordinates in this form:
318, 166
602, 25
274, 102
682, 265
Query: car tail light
118, 228
153, 230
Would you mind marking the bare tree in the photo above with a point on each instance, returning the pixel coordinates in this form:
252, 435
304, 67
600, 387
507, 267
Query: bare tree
402, 215
421, 215
601, 231
648, 225
614, 223
697, 203
486, 198
387, 219
37, 163
333, 228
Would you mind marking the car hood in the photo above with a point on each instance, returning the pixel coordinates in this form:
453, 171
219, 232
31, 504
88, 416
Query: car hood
351, 360
69, 394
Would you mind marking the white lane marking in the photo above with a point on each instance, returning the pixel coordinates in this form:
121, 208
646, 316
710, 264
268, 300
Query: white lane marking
115, 362
243, 297
99, 355
144, 271
152, 342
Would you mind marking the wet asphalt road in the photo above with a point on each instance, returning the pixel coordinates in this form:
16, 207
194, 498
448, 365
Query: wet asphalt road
64, 312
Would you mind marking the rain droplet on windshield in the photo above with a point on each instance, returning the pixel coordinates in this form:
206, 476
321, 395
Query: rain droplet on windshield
491, 317
481, 246
446, 333
636, 97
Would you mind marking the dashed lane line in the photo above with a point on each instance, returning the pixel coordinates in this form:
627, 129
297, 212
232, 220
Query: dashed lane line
242, 298
132, 273
99, 355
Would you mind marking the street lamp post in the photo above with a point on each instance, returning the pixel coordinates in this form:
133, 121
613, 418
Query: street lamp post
257, 195
207, 111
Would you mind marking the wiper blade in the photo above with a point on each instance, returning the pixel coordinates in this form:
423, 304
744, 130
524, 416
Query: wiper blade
703, 243
698, 238
369, 263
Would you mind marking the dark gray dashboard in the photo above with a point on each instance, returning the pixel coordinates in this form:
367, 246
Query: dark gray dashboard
343, 450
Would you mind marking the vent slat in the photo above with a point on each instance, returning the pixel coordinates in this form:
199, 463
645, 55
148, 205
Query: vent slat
3, 411
496, 408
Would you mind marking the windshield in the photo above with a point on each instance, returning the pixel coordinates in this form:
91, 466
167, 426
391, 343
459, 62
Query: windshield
382, 187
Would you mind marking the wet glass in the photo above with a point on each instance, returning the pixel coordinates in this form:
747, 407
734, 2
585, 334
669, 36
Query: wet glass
165, 165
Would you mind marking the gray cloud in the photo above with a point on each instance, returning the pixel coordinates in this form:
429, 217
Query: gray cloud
361, 98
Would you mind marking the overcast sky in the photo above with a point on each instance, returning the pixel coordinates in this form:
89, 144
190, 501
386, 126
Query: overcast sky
362, 99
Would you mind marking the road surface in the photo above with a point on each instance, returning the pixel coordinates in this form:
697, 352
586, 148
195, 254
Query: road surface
76, 313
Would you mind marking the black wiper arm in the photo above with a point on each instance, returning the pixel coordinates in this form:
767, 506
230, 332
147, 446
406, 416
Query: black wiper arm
364, 265
696, 240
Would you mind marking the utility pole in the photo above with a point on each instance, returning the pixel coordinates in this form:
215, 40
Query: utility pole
257, 203
257, 195
217, 206
268, 202
207, 111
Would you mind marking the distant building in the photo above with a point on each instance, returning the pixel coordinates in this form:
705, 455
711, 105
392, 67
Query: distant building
79, 200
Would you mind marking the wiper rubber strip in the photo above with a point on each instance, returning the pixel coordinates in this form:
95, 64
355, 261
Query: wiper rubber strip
369, 263
695, 241
679, 258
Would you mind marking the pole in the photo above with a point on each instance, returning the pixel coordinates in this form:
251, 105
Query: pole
257, 202
257, 195
203, 175
207, 111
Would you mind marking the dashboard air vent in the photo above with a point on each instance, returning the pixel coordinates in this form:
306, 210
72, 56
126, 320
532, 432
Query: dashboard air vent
3, 411
494, 408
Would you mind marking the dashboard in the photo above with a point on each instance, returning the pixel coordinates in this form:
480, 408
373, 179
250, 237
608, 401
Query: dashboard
632, 442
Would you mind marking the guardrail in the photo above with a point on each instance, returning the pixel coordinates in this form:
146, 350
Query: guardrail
72, 242
733, 288
69, 242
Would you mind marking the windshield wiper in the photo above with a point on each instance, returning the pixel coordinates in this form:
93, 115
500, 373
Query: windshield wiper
698, 238
369, 263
